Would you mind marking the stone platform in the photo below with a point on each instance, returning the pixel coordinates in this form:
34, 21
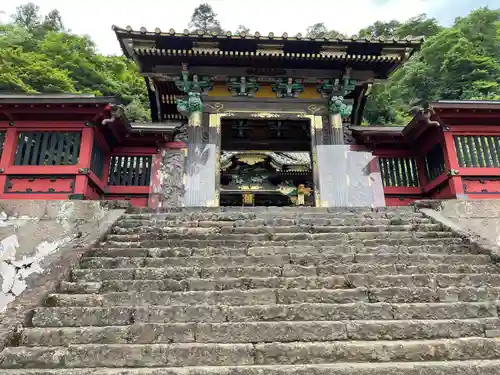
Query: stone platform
269, 291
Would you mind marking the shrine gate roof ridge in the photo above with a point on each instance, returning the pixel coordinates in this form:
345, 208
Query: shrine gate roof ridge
198, 44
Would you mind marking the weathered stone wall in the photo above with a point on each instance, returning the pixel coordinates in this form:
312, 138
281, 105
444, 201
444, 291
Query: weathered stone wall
34, 234
167, 185
477, 219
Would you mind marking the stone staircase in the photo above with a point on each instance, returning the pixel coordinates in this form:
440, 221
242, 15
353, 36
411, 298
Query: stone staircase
269, 292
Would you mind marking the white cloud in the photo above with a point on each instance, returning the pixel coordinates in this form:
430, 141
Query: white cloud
95, 17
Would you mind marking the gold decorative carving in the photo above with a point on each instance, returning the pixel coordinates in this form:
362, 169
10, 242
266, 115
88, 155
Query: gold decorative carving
214, 121
195, 119
250, 187
336, 121
248, 198
251, 159
265, 115
317, 122
313, 108
217, 107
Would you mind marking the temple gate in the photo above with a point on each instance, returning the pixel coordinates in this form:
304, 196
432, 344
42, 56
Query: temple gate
257, 99
249, 120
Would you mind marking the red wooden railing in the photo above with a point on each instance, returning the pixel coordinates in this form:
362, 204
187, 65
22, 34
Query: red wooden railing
450, 164
70, 161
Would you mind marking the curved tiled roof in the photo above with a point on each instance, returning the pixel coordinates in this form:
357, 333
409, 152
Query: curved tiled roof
223, 49
280, 158
271, 36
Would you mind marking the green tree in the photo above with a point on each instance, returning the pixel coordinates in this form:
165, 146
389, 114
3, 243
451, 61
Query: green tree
380, 29
458, 63
418, 26
136, 112
320, 30
37, 54
28, 16
204, 19
243, 28
53, 21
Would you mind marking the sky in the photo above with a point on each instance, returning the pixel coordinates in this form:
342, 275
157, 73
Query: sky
95, 17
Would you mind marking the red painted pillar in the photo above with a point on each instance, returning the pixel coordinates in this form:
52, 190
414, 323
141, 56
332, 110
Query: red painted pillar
105, 170
8, 156
422, 179
451, 163
84, 160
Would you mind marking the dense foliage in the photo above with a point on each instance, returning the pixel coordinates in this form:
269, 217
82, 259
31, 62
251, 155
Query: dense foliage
37, 54
459, 62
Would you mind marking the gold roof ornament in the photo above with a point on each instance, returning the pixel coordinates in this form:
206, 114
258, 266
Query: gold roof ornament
265, 115
251, 159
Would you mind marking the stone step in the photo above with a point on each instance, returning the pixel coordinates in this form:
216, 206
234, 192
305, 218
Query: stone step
290, 270
292, 250
278, 296
278, 260
262, 332
347, 281
109, 316
369, 247
242, 243
274, 209
482, 367
197, 354
209, 235
126, 223
290, 214
165, 230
